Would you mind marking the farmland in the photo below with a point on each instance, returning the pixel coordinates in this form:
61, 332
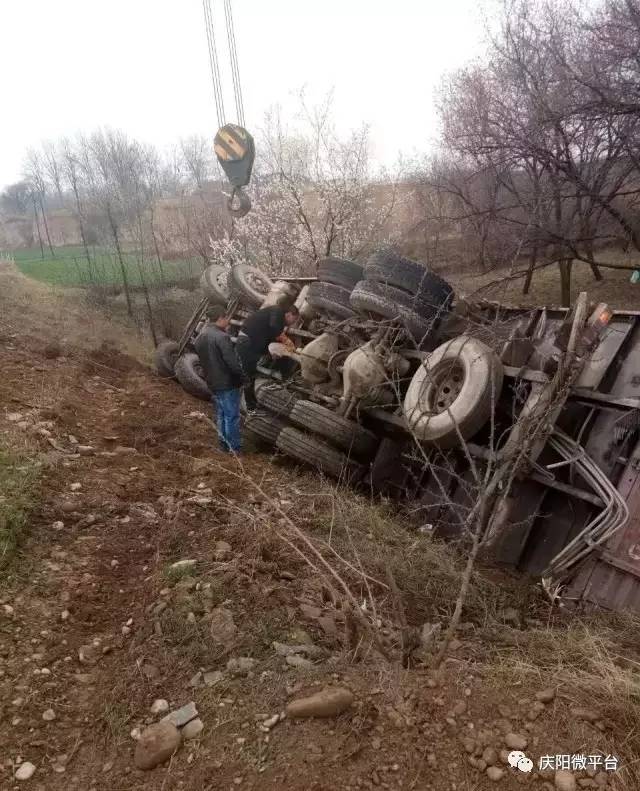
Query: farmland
69, 267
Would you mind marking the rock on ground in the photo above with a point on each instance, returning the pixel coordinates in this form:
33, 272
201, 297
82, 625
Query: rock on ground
327, 703
222, 627
182, 716
156, 744
193, 729
565, 781
159, 706
515, 742
25, 771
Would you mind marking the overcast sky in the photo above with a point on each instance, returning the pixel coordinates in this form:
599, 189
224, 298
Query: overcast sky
142, 66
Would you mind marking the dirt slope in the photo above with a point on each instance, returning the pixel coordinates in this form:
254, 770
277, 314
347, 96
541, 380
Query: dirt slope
95, 625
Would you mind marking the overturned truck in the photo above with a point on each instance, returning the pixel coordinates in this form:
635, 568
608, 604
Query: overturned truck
398, 387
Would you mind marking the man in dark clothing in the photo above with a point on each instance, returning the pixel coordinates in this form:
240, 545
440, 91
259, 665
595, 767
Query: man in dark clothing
259, 330
223, 374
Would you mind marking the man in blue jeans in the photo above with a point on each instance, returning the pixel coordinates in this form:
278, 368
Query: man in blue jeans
223, 374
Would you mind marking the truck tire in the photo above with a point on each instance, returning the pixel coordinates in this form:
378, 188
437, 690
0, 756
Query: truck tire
395, 297
189, 374
331, 299
214, 282
318, 454
249, 284
165, 357
339, 272
339, 431
453, 393
265, 427
370, 297
411, 277
277, 399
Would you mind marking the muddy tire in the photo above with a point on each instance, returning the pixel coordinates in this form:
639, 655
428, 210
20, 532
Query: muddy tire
189, 374
318, 454
249, 284
328, 298
390, 303
411, 277
265, 428
165, 357
339, 272
452, 394
277, 399
214, 282
339, 431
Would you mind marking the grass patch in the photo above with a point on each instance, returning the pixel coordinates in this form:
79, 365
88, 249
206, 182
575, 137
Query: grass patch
18, 482
69, 267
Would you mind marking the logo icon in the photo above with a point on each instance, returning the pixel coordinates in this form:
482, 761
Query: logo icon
518, 760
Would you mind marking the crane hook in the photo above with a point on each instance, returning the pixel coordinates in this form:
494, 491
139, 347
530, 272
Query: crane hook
244, 203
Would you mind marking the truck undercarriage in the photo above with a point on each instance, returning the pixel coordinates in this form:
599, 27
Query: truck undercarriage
398, 388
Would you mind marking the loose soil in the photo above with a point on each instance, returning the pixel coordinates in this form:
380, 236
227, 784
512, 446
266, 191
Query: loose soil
96, 625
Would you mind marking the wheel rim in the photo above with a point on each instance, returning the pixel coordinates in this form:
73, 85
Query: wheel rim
446, 383
222, 280
336, 363
257, 283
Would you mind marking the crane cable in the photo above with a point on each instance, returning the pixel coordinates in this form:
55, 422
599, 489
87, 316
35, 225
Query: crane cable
233, 53
214, 62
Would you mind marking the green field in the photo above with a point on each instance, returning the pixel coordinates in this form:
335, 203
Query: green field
69, 267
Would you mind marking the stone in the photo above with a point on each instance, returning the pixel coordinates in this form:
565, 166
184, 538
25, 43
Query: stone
195, 680
490, 756
121, 450
515, 741
546, 695
193, 729
182, 716
459, 708
564, 781
25, 771
588, 715
212, 678
222, 627
241, 666
182, 565
159, 706
282, 649
75, 487
221, 550
88, 654
330, 702
85, 450
601, 779
469, 745
156, 744
495, 773
299, 662
48, 715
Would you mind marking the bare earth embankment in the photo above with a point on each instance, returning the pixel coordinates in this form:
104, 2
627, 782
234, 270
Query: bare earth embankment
96, 623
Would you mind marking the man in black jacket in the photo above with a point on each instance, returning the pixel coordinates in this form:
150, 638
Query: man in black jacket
223, 374
258, 331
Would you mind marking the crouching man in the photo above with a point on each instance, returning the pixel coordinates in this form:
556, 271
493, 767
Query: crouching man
223, 374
